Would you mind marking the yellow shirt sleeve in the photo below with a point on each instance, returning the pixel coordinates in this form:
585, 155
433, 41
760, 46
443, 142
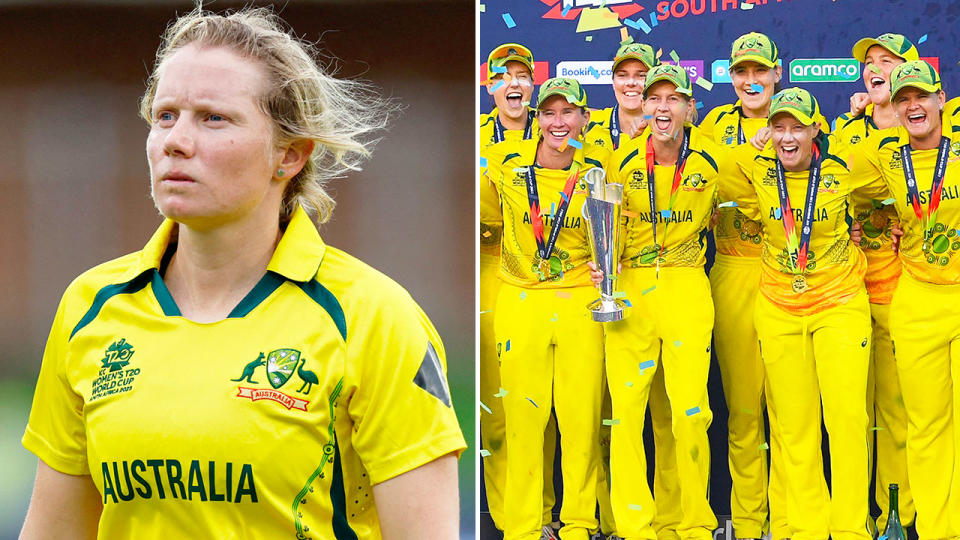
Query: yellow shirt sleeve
401, 410
736, 182
56, 431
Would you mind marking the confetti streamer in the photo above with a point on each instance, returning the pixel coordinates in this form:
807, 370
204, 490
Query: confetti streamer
659, 53
643, 25
628, 213
777, 213
699, 105
563, 294
646, 364
650, 290
631, 24
627, 303
665, 214
566, 8
523, 294
647, 116
563, 144
588, 38
507, 345
483, 161
677, 343
629, 384
483, 8
634, 507
693, 411
653, 19
922, 39
889, 201
484, 453
564, 197
533, 402
499, 69
521, 170
756, 87
611, 422
728, 204
485, 311
876, 428
764, 446
746, 6
501, 393
507, 18
747, 411
705, 84
675, 56
484, 407
575, 143
486, 234
875, 69
625, 36
729, 141
497, 86
619, 294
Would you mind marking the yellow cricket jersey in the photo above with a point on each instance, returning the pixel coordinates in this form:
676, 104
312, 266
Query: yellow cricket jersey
490, 134
272, 423
735, 234
599, 130
951, 114
835, 266
883, 265
683, 236
879, 156
520, 261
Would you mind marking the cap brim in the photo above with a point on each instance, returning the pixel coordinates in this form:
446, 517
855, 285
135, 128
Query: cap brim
802, 118
926, 87
650, 82
543, 97
861, 47
753, 58
630, 56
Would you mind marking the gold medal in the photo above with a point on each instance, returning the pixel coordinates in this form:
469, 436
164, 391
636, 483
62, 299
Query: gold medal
544, 267
751, 228
799, 283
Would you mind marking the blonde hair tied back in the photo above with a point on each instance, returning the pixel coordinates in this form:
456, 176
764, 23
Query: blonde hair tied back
304, 101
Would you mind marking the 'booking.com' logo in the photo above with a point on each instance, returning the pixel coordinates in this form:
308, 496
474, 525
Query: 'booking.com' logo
586, 72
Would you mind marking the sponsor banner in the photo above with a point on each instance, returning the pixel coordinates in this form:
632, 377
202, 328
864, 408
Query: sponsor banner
541, 72
589, 72
720, 70
824, 70
594, 3
256, 394
694, 68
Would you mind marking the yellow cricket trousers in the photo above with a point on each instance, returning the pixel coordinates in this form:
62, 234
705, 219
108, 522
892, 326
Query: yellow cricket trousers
492, 423
735, 284
666, 481
551, 353
672, 318
814, 359
888, 415
925, 327
607, 523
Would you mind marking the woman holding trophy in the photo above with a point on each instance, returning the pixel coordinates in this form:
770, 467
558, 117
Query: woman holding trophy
551, 352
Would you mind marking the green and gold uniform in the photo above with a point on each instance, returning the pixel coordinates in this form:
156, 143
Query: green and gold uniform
671, 322
551, 351
734, 285
492, 423
924, 315
814, 340
884, 400
249, 426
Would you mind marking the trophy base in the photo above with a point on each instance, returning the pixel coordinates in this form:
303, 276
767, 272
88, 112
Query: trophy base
607, 309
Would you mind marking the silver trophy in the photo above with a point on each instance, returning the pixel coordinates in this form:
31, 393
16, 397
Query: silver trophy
601, 210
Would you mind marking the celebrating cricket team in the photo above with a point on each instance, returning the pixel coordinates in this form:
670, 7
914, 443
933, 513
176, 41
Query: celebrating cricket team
833, 301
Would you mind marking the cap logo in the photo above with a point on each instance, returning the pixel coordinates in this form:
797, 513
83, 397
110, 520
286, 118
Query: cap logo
512, 52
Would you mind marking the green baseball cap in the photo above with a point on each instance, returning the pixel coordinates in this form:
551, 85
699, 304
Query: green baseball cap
916, 73
635, 51
897, 44
797, 102
508, 52
669, 72
559, 86
754, 47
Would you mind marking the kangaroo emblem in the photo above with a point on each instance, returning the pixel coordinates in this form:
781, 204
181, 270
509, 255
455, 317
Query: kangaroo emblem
249, 369
308, 377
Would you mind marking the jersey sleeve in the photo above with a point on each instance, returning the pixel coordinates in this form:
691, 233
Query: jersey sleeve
488, 198
709, 121
56, 432
736, 183
401, 410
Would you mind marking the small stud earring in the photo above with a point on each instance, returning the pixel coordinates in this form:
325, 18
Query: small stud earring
280, 173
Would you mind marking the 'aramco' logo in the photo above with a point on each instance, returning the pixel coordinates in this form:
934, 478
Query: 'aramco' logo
824, 70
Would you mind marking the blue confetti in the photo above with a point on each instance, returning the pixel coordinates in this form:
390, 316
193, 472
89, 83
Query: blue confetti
665, 214
647, 364
631, 24
756, 87
566, 8
507, 18
497, 86
693, 411
508, 345
484, 407
729, 141
483, 161
650, 290
728, 204
699, 105
499, 69
534, 403
677, 343
777, 214
643, 26
627, 303
922, 39
564, 197
647, 116
523, 294
575, 143
653, 19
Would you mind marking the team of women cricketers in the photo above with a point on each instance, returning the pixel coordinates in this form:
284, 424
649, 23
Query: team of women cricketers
833, 301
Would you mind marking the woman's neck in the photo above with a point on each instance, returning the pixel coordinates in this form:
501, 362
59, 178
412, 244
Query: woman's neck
628, 117
551, 158
762, 112
513, 123
667, 151
884, 116
212, 270
927, 142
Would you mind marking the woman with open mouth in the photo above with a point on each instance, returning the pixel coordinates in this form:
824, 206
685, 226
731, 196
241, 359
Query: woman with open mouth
670, 177
812, 315
924, 312
880, 56
551, 352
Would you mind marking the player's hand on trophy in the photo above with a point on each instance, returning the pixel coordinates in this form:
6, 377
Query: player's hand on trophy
895, 233
714, 218
760, 139
859, 102
856, 233
596, 275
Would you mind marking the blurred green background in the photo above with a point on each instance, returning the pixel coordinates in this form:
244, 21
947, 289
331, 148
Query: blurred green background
75, 192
